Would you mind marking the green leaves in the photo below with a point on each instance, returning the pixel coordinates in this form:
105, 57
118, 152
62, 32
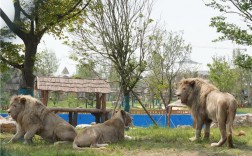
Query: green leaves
238, 32
221, 74
46, 63
244, 61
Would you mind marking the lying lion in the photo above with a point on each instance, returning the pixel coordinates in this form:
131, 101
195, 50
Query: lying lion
33, 117
208, 104
98, 135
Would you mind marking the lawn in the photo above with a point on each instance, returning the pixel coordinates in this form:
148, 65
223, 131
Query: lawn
147, 141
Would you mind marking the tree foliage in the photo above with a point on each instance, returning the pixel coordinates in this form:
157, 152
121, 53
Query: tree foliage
240, 32
222, 75
86, 70
34, 18
244, 61
117, 31
169, 52
46, 63
12, 55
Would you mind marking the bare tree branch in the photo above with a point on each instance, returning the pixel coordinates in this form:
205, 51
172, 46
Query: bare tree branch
11, 25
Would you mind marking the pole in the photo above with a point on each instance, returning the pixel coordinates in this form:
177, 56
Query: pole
144, 108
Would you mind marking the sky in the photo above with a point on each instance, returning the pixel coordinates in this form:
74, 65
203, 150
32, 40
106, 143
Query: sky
190, 16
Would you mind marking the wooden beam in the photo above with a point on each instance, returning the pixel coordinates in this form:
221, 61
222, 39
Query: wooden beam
44, 97
75, 119
70, 118
81, 110
98, 106
103, 107
98, 101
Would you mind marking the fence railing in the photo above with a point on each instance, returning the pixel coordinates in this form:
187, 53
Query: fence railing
158, 111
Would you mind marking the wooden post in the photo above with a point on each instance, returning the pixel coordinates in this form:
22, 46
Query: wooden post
70, 118
98, 106
169, 116
44, 97
103, 107
75, 119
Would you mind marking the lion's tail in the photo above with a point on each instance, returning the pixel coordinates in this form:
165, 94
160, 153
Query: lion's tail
240, 133
230, 119
76, 147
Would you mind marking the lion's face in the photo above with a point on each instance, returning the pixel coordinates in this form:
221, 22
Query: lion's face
127, 120
184, 90
16, 106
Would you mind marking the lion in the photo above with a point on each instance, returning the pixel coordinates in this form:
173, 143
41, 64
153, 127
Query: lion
208, 104
99, 135
33, 117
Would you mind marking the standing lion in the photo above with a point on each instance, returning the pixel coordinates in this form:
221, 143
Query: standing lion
33, 117
208, 104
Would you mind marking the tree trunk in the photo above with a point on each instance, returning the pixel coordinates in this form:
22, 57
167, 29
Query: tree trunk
126, 102
27, 79
162, 98
170, 92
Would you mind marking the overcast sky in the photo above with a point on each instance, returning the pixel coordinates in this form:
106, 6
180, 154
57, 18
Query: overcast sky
190, 16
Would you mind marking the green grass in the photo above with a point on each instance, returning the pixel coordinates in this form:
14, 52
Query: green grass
147, 141
244, 110
77, 103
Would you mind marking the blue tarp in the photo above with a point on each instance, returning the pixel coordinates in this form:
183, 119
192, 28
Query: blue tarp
139, 120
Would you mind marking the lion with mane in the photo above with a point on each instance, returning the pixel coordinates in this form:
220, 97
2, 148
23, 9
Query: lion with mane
99, 135
33, 117
208, 104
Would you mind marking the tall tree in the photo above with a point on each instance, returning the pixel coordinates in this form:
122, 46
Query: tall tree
46, 63
86, 70
222, 75
34, 18
244, 62
117, 31
239, 32
169, 54
11, 54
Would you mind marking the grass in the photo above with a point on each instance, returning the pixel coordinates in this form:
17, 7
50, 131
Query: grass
147, 141
244, 110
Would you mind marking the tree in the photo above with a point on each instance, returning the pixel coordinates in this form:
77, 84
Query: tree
86, 70
31, 21
221, 75
6, 77
169, 54
46, 63
244, 61
11, 54
239, 33
117, 31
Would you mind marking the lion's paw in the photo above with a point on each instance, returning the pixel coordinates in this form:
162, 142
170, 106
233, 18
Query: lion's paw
193, 139
214, 144
126, 137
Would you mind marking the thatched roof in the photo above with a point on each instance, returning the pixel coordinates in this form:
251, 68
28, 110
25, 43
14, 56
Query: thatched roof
72, 85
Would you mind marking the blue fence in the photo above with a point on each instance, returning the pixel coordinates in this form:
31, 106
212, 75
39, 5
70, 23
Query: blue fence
139, 120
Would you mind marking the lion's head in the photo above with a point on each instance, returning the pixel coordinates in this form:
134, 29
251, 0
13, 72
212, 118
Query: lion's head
185, 89
17, 105
127, 118
192, 89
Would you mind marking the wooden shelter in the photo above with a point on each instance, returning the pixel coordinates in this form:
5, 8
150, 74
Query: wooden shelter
98, 86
